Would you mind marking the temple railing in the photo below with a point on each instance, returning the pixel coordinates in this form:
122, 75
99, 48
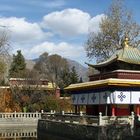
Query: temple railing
18, 135
70, 118
89, 119
18, 118
117, 120
20, 115
18, 132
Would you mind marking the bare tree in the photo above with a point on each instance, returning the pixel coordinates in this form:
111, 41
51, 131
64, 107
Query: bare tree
52, 67
4, 41
4, 51
114, 27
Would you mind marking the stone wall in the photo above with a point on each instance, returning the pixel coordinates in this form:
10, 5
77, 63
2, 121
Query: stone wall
82, 132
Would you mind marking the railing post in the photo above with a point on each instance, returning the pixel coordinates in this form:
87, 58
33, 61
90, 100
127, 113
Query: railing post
39, 116
51, 112
81, 113
36, 114
133, 117
132, 122
15, 114
100, 118
138, 117
63, 113
42, 111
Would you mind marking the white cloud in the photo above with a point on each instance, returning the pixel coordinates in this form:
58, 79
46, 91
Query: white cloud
63, 48
94, 23
70, 22
22, 31
33, 40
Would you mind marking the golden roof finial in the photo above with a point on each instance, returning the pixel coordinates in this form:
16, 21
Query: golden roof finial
126, 41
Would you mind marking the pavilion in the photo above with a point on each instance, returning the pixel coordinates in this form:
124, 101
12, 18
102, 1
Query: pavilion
115, 90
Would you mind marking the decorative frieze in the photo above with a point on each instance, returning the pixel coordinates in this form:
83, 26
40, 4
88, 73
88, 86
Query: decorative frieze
120, 74
106, 97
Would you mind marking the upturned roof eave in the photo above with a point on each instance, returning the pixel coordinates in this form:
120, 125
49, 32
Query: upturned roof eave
113, 60
102, 64
122, 55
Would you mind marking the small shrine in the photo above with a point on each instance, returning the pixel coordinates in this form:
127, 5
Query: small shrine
115, 90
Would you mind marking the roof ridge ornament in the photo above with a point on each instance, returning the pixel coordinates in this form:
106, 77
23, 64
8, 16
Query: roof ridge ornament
126, 42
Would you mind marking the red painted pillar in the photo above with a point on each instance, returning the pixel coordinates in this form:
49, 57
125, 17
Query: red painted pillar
75, 109
137, 110
78, 109
113, 110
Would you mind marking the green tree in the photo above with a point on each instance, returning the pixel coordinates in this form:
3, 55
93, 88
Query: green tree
2, 72
25, 95
52, 103
18, 66
74, 78
114, 27
81, 80
65, 78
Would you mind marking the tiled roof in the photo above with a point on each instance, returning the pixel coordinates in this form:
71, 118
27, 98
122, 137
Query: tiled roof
127, 54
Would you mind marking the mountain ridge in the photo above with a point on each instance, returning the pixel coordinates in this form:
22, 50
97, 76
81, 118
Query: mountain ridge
80, 69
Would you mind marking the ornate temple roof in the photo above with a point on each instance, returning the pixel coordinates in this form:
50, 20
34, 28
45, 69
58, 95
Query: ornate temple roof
127, 54
126, 78
106, 82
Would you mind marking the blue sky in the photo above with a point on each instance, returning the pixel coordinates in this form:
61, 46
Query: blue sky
54, 26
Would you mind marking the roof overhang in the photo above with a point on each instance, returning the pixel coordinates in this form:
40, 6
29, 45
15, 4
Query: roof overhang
128, 55
103, 64
104, 83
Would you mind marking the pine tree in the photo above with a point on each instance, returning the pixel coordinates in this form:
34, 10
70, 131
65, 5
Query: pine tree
18, 65
74, 78
81, 80
65, 78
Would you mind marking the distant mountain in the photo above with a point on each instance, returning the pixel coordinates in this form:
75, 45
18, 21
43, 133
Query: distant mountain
81, 70
30, 64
